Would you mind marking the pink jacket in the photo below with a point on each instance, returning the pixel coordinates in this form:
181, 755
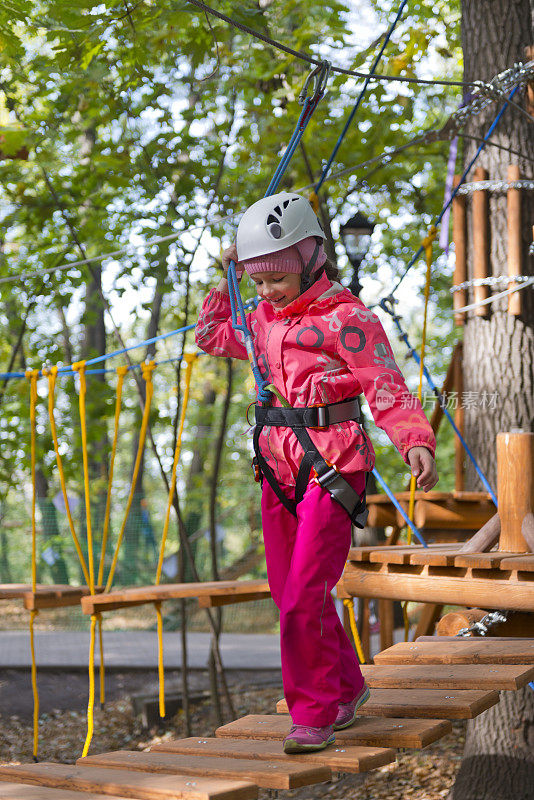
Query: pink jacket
324, 347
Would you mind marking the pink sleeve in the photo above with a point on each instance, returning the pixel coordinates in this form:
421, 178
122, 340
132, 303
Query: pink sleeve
363, 345
214, 332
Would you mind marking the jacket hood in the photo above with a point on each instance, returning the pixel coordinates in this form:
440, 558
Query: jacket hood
322, 294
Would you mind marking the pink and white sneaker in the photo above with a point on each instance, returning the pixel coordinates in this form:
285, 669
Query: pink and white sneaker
347, 712
307, 739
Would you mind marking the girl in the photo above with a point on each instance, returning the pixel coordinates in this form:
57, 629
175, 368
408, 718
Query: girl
319, 347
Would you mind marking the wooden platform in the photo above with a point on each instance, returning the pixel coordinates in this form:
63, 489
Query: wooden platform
441, 574
211, 593
247, 755
45, 595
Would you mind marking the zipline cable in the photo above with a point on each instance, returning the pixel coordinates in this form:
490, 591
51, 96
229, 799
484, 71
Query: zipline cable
311, 60
352, 114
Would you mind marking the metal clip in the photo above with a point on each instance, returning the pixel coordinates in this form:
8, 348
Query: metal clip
322, 418
320, 74
321, 480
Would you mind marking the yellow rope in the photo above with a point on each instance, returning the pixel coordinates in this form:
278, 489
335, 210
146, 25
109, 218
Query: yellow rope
91, 703
52, 376
349, 605
32, 375
79, 367
121, 372
190, 359
427, 244
147, 369
161, 670
33, 614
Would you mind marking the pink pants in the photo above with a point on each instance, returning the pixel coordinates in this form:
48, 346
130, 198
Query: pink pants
305, 559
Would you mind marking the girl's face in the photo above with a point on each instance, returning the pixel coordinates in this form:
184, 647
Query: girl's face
278, 288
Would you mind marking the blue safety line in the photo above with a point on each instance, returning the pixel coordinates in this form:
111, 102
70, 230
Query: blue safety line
348, 123
456, 189
236, 302
398, 506
416, 356
531, 684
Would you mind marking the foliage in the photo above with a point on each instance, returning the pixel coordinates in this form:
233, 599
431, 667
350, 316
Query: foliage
146, 119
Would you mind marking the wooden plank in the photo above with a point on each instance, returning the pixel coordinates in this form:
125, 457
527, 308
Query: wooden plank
436, 558
55, 597
25, 791
140, 595
365, 731
128, 784
11, 591
468, 651
266, 774
216, 600
482, 560
349, 758
523, 563
363, 553
442, 676
423, 703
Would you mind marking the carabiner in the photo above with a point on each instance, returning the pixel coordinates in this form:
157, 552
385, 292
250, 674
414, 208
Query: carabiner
320, 75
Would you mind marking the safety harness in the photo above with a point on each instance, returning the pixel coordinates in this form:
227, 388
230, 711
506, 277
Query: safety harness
328, 477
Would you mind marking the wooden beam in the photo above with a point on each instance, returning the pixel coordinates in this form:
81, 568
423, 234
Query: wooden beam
515, 245
515, 487
458, 651
459, 236
480, 219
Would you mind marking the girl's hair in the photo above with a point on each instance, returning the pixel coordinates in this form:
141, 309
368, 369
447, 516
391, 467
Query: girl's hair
331, 271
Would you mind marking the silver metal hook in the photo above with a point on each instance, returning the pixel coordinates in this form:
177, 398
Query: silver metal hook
320, 75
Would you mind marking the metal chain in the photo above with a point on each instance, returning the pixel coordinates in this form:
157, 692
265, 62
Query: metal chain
481, 628
493, 280
496, 186
489, 93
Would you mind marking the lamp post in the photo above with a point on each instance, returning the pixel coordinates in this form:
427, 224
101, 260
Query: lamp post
356, 237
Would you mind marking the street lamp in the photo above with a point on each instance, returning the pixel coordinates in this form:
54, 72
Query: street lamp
356, 237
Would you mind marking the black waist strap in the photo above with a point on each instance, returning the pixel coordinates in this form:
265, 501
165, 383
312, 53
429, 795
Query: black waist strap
309, 417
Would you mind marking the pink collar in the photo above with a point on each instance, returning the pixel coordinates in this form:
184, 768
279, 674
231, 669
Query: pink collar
306, 299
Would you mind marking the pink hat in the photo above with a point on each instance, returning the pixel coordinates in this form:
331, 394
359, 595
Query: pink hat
290, 259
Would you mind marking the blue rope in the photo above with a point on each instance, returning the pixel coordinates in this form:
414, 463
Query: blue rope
236, 302
416, 357
348, 123
398, 506
441, 214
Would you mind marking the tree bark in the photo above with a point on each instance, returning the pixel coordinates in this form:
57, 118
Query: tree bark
498, 760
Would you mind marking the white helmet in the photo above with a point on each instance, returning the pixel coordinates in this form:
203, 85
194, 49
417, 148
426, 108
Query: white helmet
274, 223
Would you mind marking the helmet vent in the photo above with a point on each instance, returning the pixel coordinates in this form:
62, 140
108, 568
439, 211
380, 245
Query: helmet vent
278, 210
275, 230
286, 203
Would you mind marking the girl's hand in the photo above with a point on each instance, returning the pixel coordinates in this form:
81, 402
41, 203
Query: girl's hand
230, 254
423, 467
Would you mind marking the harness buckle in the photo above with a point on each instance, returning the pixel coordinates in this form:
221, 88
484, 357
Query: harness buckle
323, 421
327, 477
256, 470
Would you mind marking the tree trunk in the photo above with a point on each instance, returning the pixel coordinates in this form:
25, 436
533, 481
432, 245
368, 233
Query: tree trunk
51, 533
498, 371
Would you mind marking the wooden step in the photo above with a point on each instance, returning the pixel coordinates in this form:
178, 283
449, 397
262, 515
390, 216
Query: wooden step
25, 791
141, 595
367, 731
267, 774
349, 758
442, 676
125, 783
423, 703
468, 651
